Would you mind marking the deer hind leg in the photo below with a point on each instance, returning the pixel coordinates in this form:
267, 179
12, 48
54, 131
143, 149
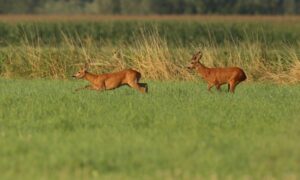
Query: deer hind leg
233, 85
138, 87
144, 85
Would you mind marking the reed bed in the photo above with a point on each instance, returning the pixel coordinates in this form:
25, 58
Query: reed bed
150, 54
159, 47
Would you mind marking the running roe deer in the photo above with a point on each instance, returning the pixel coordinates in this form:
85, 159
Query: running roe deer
218, 76
109, 81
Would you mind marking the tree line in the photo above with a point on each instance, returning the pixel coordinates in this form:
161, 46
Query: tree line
145, 7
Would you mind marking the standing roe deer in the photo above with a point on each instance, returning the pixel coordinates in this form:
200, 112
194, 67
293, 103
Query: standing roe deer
109, 81
218, 76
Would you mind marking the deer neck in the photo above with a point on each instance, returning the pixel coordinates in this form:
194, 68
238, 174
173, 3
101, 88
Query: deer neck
201, 69
90, 77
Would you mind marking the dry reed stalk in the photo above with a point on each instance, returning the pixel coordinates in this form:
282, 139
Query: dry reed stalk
152, 56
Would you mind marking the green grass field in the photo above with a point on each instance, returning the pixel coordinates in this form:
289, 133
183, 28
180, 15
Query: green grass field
185, 31
177, 131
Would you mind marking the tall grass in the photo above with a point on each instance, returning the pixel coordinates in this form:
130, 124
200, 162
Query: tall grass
152, 55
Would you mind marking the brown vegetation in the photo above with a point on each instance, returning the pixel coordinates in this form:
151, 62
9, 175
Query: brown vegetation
204, 18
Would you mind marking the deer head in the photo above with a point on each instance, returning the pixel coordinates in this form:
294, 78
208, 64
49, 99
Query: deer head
81, 73
195, 61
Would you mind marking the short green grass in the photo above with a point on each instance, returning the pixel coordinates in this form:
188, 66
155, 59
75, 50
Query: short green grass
177, 131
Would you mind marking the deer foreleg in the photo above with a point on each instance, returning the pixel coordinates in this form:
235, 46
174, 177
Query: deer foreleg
209, 86
88, 87
82, 88
218, 87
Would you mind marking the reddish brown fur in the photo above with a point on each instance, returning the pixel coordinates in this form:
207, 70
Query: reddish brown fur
110, 81
218, 76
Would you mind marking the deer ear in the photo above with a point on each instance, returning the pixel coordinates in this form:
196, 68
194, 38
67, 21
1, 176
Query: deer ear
195, 56
86, 66
199, 56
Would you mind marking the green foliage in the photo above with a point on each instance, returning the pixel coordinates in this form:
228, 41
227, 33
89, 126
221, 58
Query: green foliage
186, 33
177, 131
151, 6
